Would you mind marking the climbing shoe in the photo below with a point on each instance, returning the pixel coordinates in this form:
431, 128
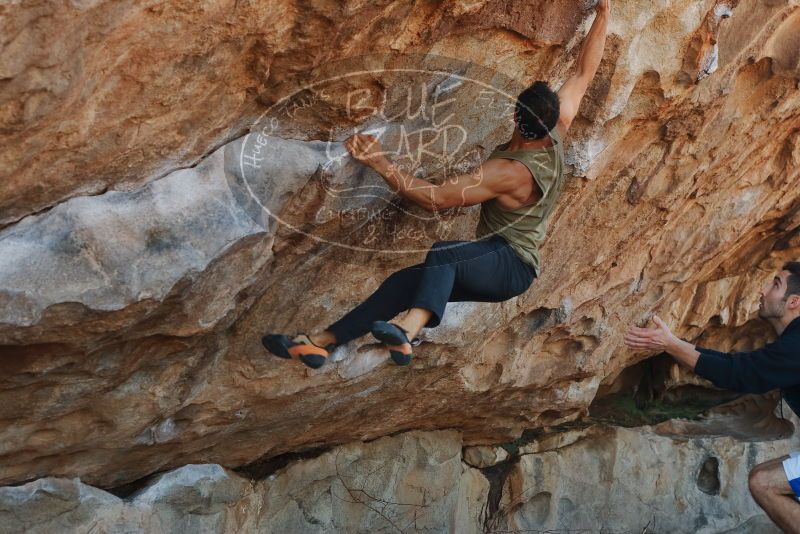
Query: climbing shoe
300, 347
396, 340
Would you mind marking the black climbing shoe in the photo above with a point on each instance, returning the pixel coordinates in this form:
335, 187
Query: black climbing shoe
395, 337
300, 347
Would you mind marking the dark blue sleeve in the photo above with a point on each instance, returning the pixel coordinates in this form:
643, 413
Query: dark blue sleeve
776, 365
714, 352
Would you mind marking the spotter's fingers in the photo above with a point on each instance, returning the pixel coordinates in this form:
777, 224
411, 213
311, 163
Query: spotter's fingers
636, 335
639, 346
642, 331
637, 340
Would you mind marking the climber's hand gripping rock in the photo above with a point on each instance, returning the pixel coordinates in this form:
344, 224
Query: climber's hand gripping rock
603, 5
366, 149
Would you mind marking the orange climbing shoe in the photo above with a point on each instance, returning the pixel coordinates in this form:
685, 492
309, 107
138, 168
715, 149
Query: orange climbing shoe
300, 347
396, 340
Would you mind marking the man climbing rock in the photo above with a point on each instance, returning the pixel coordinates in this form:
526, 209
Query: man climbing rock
774, 484
517, 187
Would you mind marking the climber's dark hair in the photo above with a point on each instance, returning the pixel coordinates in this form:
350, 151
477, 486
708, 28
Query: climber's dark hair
537, 110
793, 280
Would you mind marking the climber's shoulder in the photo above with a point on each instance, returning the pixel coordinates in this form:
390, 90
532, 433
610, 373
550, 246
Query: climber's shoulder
502, 175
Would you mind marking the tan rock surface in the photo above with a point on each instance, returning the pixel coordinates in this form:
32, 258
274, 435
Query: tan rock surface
131, 319
104, 95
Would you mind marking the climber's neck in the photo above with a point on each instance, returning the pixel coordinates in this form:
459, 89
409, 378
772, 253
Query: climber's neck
518, 142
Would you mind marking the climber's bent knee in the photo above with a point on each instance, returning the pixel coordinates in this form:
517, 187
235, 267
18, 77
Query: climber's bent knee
442, 252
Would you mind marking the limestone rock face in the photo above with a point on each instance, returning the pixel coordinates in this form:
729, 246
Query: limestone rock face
412, 482
597, 479
635, 480
175, 186
200, 498
484, 456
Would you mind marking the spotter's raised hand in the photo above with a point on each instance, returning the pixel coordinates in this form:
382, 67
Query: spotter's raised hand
659, 338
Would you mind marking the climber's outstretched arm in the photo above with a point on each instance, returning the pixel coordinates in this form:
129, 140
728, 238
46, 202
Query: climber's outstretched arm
571, 93
491, 179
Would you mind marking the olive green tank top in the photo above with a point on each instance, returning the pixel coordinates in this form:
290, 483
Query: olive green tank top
524, 228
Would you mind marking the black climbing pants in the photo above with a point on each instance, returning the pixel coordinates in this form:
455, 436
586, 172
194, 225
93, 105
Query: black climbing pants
486, 270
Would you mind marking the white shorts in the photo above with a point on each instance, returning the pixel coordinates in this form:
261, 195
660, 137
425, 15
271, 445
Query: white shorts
791, 466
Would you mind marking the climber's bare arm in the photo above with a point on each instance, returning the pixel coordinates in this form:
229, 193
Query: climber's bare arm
571, 93
493, 178
489, 180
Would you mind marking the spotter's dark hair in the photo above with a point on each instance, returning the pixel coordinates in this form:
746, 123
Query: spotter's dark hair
537, 110
793, 280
